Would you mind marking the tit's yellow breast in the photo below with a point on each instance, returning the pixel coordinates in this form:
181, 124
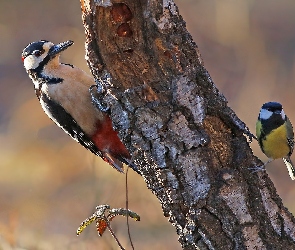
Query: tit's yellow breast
275, 144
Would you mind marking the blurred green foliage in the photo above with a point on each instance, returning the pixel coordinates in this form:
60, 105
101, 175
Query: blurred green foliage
49, 183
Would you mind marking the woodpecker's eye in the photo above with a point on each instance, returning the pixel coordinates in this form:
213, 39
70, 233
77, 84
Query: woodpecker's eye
37, 53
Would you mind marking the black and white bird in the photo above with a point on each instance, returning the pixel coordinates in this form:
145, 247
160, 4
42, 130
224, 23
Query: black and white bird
63, 92
275, 135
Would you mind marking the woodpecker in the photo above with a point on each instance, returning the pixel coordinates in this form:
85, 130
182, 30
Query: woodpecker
63, 92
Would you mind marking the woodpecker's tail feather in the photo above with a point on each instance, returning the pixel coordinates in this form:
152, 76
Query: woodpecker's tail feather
290, 167
115, 163
130, 163
118, 163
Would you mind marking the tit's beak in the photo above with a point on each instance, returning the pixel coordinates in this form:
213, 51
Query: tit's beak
55, 49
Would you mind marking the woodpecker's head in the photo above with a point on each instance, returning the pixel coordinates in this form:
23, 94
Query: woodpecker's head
38, 54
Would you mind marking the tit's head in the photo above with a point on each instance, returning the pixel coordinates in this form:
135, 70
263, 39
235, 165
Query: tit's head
271, 110
37, 54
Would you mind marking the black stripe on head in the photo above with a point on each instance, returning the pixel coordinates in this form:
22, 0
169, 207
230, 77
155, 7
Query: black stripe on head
272, 106
36, 73
42, 64
275, 120
34, 46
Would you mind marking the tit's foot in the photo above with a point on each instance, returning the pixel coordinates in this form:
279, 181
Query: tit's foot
257, 169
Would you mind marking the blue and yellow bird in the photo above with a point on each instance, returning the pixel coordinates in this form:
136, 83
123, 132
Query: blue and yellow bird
275, 134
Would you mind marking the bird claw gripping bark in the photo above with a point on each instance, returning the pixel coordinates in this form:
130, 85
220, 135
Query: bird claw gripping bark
97, 96
256, 169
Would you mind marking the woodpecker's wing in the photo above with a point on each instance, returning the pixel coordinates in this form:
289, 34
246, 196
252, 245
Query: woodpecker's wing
64, 120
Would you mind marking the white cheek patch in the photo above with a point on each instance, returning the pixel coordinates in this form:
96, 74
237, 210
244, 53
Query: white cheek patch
31, 62
265, 114
283, 114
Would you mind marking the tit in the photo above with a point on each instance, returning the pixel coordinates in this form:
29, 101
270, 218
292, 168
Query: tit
275, 134
63, 92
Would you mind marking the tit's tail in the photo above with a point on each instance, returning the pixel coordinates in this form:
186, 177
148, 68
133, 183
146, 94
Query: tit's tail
290, 167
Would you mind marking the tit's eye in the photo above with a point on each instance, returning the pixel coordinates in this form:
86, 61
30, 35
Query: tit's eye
37, 53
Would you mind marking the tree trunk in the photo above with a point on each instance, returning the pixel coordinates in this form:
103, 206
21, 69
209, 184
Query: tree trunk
189, 145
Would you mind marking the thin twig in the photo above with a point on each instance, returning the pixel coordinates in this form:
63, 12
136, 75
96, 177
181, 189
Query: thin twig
127, 217
115, 237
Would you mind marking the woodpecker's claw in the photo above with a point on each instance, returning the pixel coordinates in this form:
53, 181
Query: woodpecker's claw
97, 96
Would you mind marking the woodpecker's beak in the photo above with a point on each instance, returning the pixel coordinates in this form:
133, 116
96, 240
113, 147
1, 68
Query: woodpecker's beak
55, 49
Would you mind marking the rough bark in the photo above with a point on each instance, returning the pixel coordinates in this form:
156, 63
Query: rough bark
188, 144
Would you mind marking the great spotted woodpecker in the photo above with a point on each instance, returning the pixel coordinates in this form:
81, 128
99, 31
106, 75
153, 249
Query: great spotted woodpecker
63, 91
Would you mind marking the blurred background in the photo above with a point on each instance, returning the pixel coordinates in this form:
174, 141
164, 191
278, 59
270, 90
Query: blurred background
49, 184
